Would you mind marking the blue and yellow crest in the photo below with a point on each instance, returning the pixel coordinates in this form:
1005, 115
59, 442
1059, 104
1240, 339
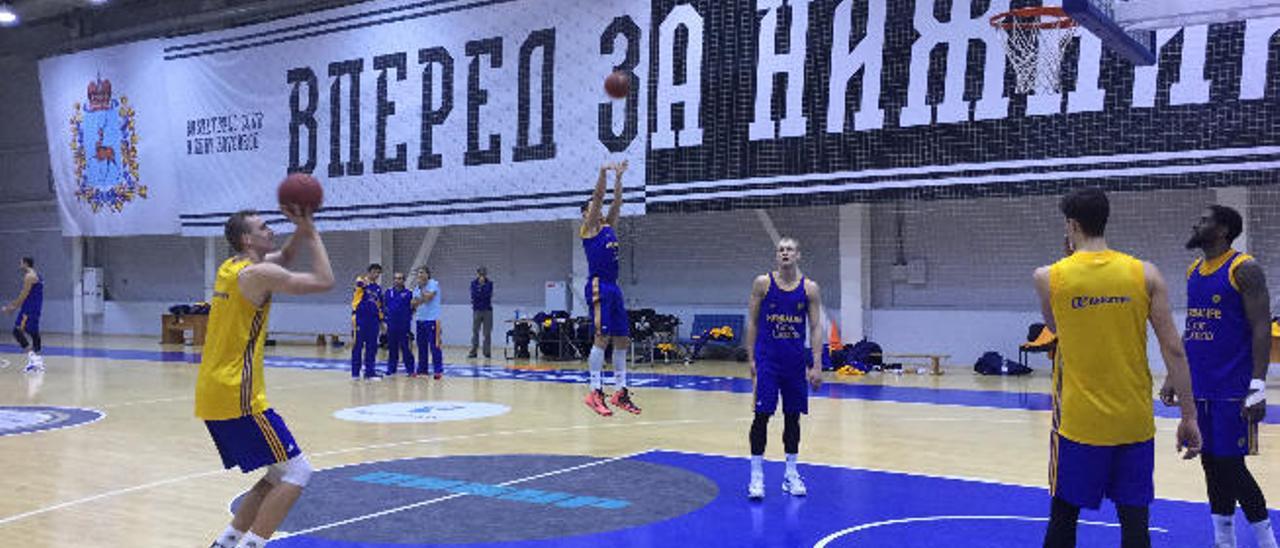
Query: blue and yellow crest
104, 146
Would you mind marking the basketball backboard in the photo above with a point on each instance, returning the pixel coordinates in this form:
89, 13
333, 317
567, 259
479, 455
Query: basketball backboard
1125, 25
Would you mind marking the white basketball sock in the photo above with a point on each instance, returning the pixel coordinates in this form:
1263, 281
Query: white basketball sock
1224, 531
1262, 532
229, 538
757, 466
251, 540
619, 368
596, 362
791, 465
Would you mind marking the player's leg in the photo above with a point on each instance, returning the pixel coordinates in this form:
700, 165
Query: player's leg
1132, 487
1063, 519
33, 330
1135, 526
1222, 499
356, 351
370, 329
1078, 475
424, 342
406, 350
243, 518
393, 348
486, 328
477, 319
795, 402
595, 359
619, 325
290, 472
437, 353
765, 400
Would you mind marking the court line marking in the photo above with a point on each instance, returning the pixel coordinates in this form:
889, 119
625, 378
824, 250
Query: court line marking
844, 532
428, 502
438, 439
905, 473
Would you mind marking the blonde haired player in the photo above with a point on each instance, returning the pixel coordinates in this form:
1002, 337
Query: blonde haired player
230, 395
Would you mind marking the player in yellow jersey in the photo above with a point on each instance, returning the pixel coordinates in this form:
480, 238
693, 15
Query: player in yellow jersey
1099, 302
230, 396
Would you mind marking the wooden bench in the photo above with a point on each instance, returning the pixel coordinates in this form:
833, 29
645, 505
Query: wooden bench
935, 360
173, 328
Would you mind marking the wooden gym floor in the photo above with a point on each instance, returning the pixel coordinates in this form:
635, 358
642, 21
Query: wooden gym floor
147, 474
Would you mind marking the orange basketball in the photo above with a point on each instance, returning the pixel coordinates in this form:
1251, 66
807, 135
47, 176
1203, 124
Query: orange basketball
302, 190
617, 85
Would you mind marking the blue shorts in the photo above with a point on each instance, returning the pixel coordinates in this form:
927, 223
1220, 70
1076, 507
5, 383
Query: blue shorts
608, 311
1224, 428
253, 441
790, 382
1081, 474
27, 322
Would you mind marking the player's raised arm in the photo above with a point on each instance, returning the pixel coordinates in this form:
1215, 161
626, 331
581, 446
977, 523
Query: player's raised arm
615, 206
592, 222
269, 277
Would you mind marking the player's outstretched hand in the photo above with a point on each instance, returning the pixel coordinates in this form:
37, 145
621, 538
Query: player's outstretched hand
815, 377
620, 167
1188, 439
1168, 396
8, 308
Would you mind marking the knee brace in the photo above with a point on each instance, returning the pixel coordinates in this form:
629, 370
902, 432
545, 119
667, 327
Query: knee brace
295, 471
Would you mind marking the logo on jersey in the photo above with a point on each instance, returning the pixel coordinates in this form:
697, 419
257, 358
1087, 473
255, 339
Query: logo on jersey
1086, 302
422, 411
1217, 299
104, 144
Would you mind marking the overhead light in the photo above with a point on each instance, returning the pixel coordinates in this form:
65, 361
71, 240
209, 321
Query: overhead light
8, 17
98, 2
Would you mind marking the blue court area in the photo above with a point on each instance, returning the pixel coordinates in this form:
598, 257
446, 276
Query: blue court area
1030, 401
662, 498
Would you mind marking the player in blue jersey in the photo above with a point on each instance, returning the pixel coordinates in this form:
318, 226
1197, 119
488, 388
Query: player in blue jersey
366, 320
29, 303
1228, 341
608, 310
784, 335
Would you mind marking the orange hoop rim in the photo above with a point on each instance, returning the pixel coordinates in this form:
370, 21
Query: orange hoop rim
1058, 19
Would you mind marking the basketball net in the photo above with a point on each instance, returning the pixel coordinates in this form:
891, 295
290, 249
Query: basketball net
1035, 41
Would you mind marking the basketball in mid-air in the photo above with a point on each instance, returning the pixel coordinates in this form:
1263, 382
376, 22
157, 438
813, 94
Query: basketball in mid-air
617, 85
301, 190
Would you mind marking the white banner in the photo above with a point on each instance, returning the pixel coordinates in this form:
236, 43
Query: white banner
411, 114
109, 150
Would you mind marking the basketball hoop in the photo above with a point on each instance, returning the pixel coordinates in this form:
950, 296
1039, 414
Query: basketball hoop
1035, 41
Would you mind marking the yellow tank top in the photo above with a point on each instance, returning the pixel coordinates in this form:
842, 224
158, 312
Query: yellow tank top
230, 382
1101, 380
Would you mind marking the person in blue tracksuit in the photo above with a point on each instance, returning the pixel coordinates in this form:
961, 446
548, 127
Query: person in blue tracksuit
397, 303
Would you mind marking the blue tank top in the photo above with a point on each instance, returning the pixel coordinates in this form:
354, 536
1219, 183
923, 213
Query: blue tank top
35, 298
1218, 337
780, 327
602, 254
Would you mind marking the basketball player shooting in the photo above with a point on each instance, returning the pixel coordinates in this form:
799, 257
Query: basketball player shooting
608, 309
230, 393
